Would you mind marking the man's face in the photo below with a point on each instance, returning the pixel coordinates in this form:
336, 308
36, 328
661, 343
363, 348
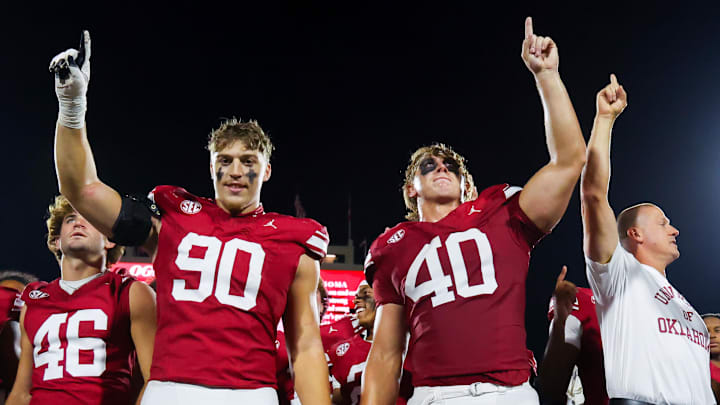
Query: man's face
322, 305
78, 238
713, 325
659, 237
365, 306
238, 174
438, 179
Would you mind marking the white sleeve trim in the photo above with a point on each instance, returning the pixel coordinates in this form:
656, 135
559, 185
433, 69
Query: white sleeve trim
511, 190
317, 245
607, 279
573, 331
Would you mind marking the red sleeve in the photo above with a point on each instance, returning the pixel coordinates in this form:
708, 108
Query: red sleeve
381, 273
10, 305
315, 239
523, 228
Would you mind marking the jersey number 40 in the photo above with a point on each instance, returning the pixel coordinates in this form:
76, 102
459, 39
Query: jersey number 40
55, 354
439, 281
224, 264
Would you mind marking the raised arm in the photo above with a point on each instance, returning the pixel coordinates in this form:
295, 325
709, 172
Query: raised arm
143, 324
74, 162
547, 194
560, 357
20, 393
382, 374
600, 229
302, 335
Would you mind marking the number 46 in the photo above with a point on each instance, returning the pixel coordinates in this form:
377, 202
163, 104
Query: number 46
440, 282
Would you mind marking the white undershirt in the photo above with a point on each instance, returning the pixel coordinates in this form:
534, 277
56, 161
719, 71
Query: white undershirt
644, 324
573, 330
71, 286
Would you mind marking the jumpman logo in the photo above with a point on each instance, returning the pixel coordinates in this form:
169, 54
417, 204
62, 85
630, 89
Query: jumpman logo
271, 224
332, 329
473, 210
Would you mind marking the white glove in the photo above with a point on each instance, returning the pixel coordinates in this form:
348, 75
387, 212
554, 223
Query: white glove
71, 83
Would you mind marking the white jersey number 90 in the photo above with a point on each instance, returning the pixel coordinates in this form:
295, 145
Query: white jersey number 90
208, 264
439, 281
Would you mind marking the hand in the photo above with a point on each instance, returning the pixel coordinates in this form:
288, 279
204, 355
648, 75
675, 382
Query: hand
612, 100
540, 54
564, 295
72, 75
72, 69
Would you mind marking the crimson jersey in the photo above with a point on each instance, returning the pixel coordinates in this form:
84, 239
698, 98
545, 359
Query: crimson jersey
342, 329
82, 348
222, 287
286, 386
590, 362
9, 310
347, 363
462, 283
714, 373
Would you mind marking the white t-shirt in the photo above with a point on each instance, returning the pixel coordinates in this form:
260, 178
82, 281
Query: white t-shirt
656, 345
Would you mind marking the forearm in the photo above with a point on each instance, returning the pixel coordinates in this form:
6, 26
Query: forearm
380, 379
74, 161
557, 364
78, 180
564, 137
596, 175
311, 375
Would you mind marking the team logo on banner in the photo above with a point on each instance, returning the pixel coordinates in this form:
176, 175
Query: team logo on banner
190, 207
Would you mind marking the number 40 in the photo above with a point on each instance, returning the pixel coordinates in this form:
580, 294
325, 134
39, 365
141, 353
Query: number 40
440, 282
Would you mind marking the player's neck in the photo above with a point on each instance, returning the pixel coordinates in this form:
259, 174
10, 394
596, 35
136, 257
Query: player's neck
239, 210
651, 260
74, 268
430, 211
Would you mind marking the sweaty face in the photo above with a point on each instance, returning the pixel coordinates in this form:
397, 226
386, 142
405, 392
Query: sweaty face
365, 306
438, 179
238, 174
78, 238
713, 325
659, 237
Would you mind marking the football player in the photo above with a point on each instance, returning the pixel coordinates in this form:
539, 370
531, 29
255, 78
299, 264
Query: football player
712, 321
348, 357
454, 275
574, 341
79, 331
11, 285
227, 271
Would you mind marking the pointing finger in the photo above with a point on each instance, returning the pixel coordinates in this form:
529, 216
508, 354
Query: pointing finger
528, 27
613, 79
563, 272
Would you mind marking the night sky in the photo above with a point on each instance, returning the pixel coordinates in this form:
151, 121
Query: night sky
347, 90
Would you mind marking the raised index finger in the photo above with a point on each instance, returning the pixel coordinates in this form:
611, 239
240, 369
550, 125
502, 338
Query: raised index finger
613, 79
528, 27
563, 272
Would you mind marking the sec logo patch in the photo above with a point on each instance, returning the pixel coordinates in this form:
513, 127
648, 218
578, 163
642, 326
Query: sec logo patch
397, 236
342, 349
190, 207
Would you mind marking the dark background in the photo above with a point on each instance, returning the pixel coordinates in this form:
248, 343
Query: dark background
347, 90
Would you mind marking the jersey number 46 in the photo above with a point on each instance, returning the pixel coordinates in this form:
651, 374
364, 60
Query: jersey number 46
55, 354
440, 282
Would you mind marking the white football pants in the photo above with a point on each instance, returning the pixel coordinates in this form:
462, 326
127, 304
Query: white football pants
475, 394
167, 392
